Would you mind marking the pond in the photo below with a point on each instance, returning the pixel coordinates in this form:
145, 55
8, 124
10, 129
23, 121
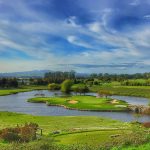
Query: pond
18, 103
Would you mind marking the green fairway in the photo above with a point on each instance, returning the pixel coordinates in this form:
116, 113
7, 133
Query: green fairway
83, 103
94, 138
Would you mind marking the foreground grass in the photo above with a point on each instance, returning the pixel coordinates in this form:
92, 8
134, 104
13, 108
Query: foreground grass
4, 92
72, 128
83, 103
141, 147
76, 133
62, 123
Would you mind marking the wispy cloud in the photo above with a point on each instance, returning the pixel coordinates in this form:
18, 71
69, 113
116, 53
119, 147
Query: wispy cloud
41, 35
135, 3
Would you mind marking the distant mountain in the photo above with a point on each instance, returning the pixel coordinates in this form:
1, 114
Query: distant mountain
34, 73
82, 74
27, 74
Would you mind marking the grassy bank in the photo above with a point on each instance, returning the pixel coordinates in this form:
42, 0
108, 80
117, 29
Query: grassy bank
52, 123
139, 91
83, 103
4, 92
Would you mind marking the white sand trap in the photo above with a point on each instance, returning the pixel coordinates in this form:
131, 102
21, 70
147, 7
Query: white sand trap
73, 102
114, 101
120, 106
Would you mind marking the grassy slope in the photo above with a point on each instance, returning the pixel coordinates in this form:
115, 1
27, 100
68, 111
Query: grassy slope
84, 103
4, 92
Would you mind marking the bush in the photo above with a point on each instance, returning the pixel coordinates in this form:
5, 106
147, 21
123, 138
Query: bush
19, 134
146, 124
104, 93
80, 89
9, 135
54, 86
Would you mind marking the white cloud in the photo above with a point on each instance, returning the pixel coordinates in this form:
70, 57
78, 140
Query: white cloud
147, 16
135, 3
95, 27
76, 41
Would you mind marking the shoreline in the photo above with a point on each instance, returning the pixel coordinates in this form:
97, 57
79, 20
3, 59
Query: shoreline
92, 110
22, 90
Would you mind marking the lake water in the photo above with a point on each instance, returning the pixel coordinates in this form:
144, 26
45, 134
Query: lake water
18, 103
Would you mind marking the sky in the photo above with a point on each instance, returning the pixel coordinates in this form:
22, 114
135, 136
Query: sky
90, 36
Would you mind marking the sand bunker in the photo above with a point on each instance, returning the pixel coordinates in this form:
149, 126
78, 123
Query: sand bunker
120, 106
114, 101
73, 102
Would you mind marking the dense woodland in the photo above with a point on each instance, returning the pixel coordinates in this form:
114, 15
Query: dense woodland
8, 82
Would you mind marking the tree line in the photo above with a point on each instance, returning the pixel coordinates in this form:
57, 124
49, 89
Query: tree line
59, 77
8, 83
136, 83
119, 77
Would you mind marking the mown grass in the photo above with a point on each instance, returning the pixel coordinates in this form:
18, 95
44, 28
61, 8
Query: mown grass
83, 103
94, 138
4, 92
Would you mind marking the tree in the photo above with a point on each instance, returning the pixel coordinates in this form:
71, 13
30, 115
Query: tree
104, 93
80, 89
66, 86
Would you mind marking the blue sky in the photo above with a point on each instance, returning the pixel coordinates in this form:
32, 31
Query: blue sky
84, 35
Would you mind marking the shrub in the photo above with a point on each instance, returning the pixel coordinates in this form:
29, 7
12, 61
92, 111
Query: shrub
19, 134
80, 89
9, 135
104, 93
54, 86
146, 124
